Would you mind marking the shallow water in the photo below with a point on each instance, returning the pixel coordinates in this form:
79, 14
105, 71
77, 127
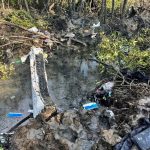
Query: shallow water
69, 79
15, 96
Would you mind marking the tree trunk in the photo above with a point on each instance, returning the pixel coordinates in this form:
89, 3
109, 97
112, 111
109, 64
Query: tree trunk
105, 11
112, 10
3, 4
27, 6
124, 4
73, 5
19, 4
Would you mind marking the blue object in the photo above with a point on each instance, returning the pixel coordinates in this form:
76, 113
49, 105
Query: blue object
12, 115
90, 106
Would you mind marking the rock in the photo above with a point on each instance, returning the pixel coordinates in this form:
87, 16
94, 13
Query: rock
111, 137
68, 134
34, 134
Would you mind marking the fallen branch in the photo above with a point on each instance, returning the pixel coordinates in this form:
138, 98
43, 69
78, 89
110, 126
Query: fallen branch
10, 43
78, 41
15, 25
19, 123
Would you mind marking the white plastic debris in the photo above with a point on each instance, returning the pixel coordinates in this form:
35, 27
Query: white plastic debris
30, 111
108, 86
12, 97
24, 58
109, 114
96, 25
33, 29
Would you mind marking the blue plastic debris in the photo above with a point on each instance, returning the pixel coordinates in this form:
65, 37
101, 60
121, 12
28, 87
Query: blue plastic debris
11, 115
90, 106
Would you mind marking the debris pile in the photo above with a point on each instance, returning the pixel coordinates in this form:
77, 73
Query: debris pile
115, 127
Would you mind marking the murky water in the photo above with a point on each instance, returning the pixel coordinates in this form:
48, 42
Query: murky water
69, 79
15, 96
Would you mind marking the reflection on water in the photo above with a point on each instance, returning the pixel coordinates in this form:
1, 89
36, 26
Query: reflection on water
70, 78
14, 97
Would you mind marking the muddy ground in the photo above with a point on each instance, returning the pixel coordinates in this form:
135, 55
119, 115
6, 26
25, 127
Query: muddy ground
70, 77
79, 129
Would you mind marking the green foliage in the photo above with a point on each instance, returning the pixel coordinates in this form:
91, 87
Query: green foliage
122, 53
117, 4
15, 2
21, 18
24, 19
6, 71
144, 39
1, 148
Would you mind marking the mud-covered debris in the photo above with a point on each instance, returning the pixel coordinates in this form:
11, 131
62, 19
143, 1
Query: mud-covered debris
142, 139
103, 93
141, 130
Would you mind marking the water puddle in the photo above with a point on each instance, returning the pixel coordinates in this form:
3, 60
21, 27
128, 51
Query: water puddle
69, 79
15, 96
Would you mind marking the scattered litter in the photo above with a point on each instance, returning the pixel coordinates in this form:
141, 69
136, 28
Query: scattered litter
12, 114
142, 131
109, 114
17, 61
102, 94
93, 35
96, 25
12, 97
23, 58
108, 86
90, 106
33, 29
30, 111
142, 140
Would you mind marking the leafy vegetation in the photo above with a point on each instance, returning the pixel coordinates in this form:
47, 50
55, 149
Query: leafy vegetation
1, 148
23, 18
6, 71
122, 53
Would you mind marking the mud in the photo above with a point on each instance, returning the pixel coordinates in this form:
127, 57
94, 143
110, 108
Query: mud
75, 129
